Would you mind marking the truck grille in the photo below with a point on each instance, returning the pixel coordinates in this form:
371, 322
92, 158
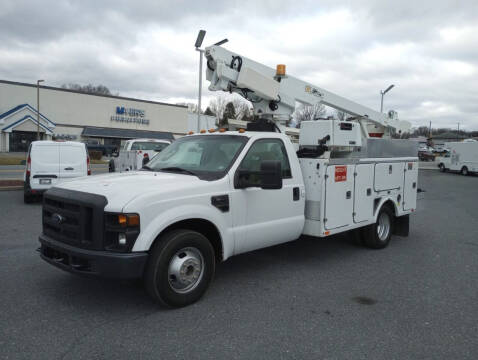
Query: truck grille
74, 218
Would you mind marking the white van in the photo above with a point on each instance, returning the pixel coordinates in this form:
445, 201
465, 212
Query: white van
51, 162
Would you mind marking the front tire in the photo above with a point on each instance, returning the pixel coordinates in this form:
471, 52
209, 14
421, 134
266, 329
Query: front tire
464, 171
378, 235
180, 268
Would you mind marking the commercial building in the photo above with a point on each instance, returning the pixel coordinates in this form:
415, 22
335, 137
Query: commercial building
72, 115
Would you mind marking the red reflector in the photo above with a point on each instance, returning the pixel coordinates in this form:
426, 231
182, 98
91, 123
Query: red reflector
375, 135
29, 165
88, 165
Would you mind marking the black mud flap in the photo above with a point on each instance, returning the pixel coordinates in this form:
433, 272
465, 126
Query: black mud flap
402, 225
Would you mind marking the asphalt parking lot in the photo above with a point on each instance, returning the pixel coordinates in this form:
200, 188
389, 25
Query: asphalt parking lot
315, 299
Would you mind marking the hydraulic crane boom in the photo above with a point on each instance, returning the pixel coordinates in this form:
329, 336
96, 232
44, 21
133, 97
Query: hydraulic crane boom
274, 94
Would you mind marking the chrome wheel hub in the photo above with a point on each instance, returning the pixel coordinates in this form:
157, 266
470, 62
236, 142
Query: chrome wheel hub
185, 270
383, 227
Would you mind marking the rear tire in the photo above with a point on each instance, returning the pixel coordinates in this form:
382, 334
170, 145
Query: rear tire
27, 198
180, 268
377, 236
464, 171
111, 166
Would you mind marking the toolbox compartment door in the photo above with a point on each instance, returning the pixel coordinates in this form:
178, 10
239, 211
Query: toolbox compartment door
388, 176
363, 193
339, 188
410, 185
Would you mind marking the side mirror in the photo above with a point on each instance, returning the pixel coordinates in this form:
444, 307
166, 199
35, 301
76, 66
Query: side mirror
271, 175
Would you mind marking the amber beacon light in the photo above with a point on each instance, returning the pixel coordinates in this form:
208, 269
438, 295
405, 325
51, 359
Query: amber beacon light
280, 70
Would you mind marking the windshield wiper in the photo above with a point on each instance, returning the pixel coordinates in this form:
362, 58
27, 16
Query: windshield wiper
179, 169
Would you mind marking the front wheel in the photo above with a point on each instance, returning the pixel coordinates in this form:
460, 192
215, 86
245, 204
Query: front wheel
180, 268
377, 236
464, 171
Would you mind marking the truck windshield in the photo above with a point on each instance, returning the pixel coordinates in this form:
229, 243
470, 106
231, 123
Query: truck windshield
156, 146
206, 156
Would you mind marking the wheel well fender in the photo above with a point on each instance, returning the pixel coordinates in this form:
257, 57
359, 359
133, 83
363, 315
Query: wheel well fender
202, 219
389, 202
202, 226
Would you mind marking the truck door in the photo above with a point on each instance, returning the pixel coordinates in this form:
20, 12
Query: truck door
44, 165
270, 216
339, 188
410, 186
363, 193
72, 161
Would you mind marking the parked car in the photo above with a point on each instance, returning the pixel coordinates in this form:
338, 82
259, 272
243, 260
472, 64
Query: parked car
426, 156
51, 162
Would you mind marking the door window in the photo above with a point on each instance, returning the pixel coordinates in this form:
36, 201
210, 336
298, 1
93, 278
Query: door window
266, 149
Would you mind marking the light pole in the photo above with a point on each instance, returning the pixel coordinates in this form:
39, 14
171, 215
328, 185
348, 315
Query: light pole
38, 108
383, 92
198, 44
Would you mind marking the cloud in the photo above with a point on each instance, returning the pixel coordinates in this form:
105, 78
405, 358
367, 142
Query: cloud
428, 49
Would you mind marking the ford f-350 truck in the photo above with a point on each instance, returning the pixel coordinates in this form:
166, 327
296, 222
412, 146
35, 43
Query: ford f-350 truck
208, 197
211, 195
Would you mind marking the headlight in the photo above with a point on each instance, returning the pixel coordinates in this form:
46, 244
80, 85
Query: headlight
121, 231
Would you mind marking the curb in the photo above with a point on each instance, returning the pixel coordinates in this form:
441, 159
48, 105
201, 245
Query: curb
10, 188
6, 185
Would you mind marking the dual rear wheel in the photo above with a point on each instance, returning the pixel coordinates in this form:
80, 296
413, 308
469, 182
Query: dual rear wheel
378, 235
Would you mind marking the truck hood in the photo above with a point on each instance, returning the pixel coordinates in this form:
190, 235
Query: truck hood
121, 188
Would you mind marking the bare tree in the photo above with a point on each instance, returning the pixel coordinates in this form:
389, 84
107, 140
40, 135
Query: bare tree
89, 89
308, 112
341, 115
243, 109
192, 107
229, 113
217, 106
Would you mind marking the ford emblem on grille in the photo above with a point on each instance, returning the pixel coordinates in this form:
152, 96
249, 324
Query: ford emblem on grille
57, 218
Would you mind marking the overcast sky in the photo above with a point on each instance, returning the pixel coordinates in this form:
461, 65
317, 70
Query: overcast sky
144, 49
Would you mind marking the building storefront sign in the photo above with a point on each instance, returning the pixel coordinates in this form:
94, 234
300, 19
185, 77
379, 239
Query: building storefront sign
130, 115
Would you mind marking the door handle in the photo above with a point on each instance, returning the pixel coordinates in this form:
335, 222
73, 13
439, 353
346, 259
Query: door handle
296, 194
69, 168
348, 194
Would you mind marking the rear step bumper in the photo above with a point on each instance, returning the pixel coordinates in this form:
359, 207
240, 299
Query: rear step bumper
90, 262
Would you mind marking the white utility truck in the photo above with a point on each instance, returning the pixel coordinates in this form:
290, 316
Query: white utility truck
462, 157
135, 153
215, 194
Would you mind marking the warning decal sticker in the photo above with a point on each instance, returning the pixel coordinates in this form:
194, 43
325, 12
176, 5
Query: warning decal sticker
340, 173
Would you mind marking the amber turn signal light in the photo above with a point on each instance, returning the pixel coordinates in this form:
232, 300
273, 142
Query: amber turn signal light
128, 219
